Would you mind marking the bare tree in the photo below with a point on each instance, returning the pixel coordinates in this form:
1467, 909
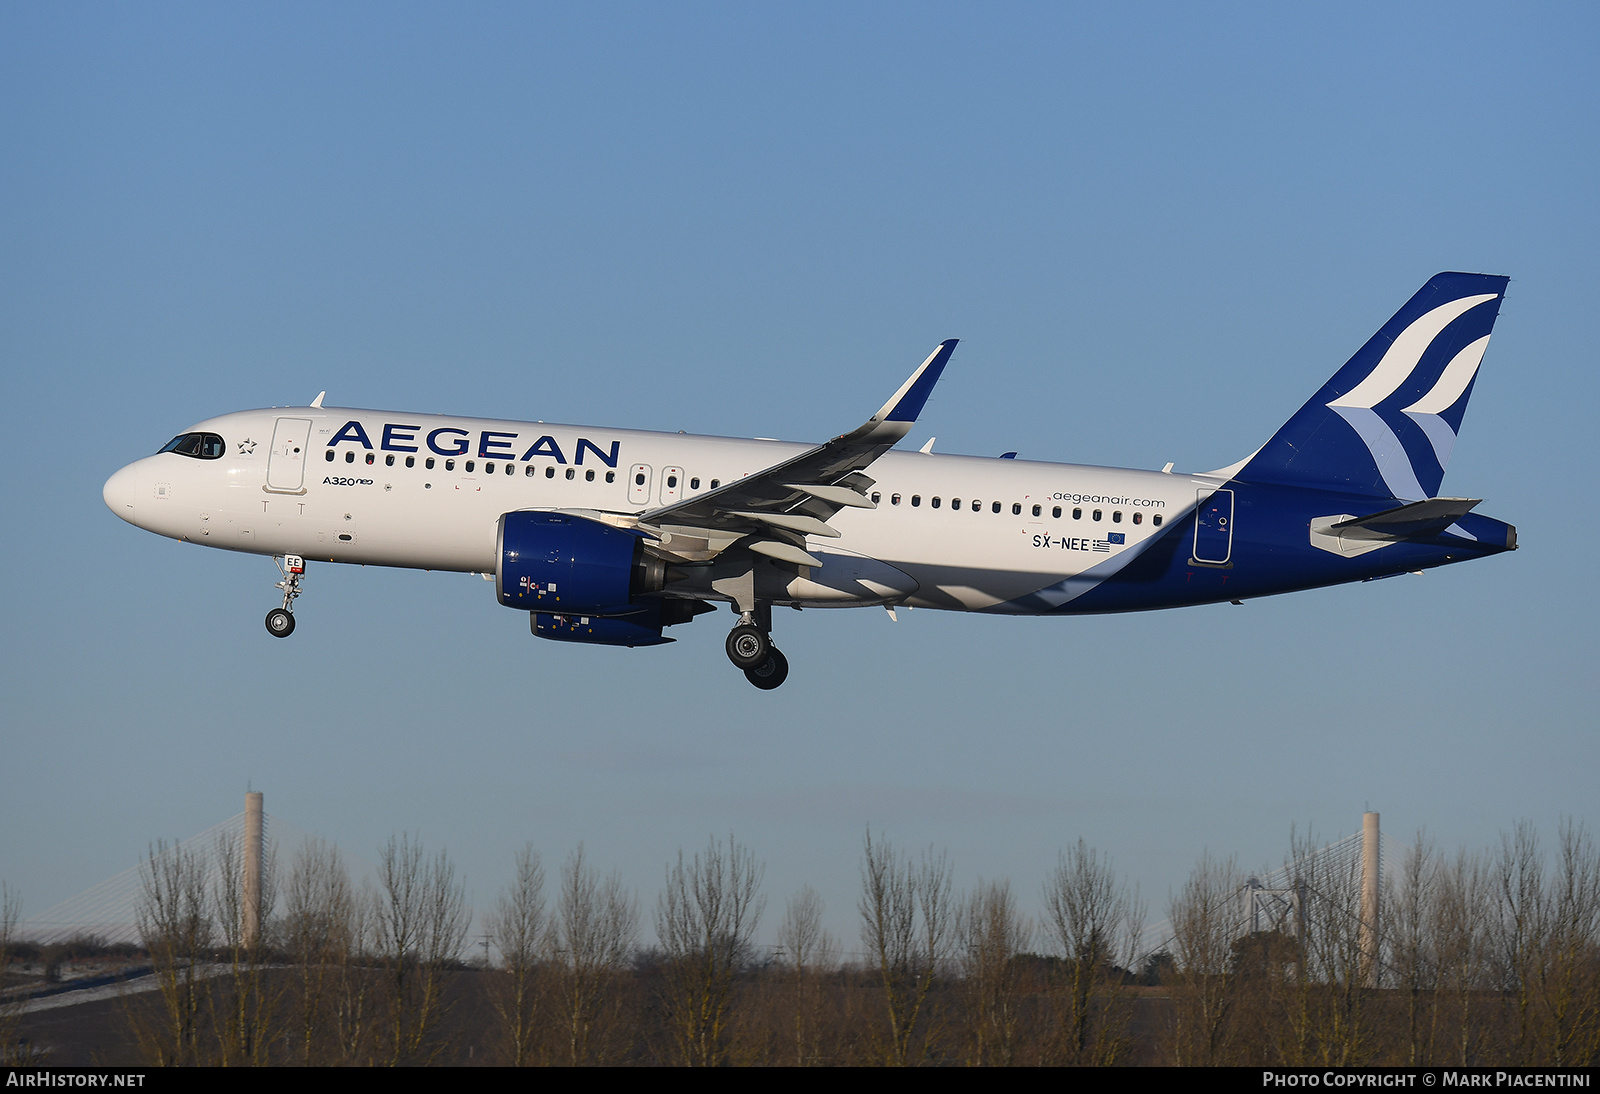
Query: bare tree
705, 919
1569, 971
521, 931
357, 994
907, 926
318, 933
422, 923
175, 924
1095, 921
1205, 918
1413, 955
595, 927
244, 1014
1329, 995
1518, 932
1460, 928
11, 1054
809, 953
992, 934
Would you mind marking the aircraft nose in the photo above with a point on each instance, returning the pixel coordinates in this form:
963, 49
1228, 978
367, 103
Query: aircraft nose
119, 493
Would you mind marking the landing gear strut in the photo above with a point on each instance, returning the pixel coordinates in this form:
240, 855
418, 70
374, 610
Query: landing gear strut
750, 648
280, 621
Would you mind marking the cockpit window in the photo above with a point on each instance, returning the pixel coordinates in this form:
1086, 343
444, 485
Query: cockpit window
200, 446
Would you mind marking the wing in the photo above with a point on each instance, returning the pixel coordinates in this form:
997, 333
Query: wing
774, 510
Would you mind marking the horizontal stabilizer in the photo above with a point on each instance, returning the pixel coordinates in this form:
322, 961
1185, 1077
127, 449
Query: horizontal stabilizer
1420, 518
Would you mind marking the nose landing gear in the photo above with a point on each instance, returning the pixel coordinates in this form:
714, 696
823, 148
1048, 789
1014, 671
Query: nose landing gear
280, 621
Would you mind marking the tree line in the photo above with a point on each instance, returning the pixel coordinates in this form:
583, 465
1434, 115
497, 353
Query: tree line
1475, 958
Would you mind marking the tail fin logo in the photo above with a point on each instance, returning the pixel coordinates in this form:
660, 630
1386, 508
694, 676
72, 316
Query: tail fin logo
1358, 405
1403, 394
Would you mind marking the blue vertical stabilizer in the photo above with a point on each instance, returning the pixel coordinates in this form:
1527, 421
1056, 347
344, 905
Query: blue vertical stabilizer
1385, 424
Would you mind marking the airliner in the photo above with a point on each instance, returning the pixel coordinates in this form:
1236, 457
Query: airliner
610, 536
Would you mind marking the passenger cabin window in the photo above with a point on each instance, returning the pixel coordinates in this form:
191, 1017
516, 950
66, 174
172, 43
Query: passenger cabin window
672, 481
955, 503
388, 461
714, 482
694, 484
201, 446
428, 463
934, 503
1077, 514
330, 454
611, 476
638, 480
571, 474
349, 457
530, 471
894, 499
511, 469
916, 500
1016, 509
1138, 518
1116, 516
1056, 512
1156, 520
1098, 515
449, 465
588, 476
411, 461
550, 472
875, 497
488, 468
470, 465
1038, 509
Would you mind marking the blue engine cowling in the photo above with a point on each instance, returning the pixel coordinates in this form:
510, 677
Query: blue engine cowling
643, 628
559, 563
581, 581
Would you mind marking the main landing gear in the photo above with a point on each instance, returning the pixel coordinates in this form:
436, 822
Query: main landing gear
280, 621
750, 648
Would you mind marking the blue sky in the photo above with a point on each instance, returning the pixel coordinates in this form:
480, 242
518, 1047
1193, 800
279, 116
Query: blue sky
1157, 229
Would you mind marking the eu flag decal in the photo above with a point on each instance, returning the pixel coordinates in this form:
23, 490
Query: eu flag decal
1118, 538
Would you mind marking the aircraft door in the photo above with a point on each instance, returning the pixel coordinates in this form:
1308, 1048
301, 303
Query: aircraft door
1213, 528
639, 484
671, 485
286, 464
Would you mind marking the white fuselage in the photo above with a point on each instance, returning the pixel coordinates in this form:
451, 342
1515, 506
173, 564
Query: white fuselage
936, 521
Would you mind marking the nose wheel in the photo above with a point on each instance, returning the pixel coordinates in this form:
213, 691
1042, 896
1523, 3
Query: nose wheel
280, 621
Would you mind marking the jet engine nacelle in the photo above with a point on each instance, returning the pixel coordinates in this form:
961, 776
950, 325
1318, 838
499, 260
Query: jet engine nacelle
643, 628
570, 565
